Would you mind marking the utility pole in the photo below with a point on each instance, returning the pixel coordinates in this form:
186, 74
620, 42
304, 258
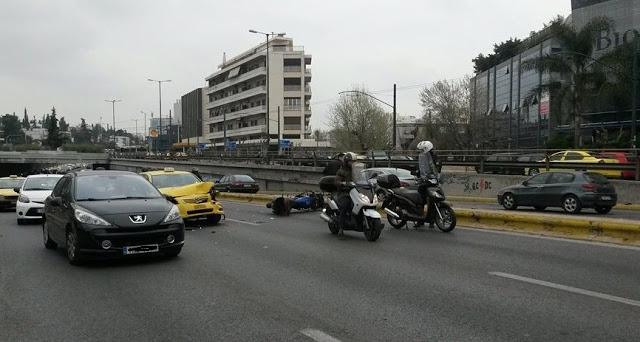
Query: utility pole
159, 139
113, 112
136, 120
634, 98
395, 128
279, 147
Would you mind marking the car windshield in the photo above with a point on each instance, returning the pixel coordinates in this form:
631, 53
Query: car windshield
596, 178
243, 178
401, 172
174, 180
11, 183
106, 187
40, 183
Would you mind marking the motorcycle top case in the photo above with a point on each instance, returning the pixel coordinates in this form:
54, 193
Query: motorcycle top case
390, 181
328, 183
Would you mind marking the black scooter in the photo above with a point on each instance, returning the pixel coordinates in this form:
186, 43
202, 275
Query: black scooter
407, 204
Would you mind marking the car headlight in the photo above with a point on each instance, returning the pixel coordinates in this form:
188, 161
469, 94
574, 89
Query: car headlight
88, 218
173, 214
365, 198
23, 199
435, 194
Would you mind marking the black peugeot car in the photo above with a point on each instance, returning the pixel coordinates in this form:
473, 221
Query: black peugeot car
110, 214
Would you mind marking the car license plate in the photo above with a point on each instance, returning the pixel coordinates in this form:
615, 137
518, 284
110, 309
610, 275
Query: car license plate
606, 198
40, 211
199, 206
247, 185
128, 250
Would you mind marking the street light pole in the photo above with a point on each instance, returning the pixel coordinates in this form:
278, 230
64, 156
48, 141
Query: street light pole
146, 132
113, 112
160, 113
267, 81
634, 97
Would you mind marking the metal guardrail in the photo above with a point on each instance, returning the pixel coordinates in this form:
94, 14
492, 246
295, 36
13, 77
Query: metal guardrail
401, 159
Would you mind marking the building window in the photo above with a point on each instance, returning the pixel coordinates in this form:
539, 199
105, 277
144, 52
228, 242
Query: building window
292, 103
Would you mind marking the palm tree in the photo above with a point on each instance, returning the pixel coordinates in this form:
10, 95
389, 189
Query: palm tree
573, 65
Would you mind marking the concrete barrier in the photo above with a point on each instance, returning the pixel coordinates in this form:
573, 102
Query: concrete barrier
303, 178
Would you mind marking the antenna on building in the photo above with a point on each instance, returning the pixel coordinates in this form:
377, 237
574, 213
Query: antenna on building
224, 58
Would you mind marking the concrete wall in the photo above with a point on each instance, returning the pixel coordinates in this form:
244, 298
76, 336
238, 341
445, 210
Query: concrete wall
301, 178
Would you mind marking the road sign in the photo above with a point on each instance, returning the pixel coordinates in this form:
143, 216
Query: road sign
285, 143
200, 146
231, 145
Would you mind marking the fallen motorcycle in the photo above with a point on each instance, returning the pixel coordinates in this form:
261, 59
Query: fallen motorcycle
282, 206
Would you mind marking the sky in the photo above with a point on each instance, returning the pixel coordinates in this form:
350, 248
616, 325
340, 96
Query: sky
75, 54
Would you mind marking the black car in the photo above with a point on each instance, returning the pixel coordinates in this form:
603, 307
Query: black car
569, 190
238, 183
501, 158
110, 214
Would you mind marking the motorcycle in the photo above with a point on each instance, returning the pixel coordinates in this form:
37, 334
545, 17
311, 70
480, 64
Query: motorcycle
404, 205
363, 216
282, 205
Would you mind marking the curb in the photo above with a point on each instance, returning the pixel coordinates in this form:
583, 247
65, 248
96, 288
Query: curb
612, 230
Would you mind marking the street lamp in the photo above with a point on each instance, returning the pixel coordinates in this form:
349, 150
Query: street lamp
113, 112
160, 113
267, 80
377, 99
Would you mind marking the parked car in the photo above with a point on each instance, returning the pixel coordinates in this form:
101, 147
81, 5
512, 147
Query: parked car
506, 157
405, 177
238, 183
623, 158
110, 214
570, 190
577, 157
8, 196
34, 190
195, 199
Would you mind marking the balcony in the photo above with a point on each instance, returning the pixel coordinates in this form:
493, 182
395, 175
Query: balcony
247, 93
260, 129
239, 114
292, 68
241, 78
295, 127
307, 91
292, 108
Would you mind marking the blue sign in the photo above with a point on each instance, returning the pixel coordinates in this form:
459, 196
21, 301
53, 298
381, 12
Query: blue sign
285, 143
231, 145
200, 146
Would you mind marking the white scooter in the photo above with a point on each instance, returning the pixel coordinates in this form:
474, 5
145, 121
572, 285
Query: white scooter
363, 216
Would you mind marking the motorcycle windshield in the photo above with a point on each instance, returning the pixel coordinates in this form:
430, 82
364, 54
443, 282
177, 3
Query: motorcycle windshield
357, 174
427, 165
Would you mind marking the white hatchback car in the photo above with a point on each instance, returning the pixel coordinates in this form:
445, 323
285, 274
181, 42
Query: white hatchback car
35, 189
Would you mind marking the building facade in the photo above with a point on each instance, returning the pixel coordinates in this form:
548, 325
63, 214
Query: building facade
505, 106
236, 112
192, 107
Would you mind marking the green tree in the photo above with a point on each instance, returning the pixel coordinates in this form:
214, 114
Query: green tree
82, 133
25, 120
54, 138
501, 52
64, 126
12, 129
358, 123
574, 66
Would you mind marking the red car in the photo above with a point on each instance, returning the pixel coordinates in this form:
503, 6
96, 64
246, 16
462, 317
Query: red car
623, 158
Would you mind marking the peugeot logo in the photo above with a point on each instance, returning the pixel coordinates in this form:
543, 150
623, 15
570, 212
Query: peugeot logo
138, 218
200, 199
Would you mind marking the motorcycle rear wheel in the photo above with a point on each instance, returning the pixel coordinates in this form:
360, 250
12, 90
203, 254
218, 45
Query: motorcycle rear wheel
448, 221
375, 229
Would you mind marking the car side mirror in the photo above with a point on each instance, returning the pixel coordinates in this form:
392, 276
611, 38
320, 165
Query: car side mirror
16, 190
525, 183
56, 202
415, 173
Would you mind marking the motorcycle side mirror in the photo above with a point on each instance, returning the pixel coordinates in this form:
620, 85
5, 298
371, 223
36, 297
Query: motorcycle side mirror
16, 190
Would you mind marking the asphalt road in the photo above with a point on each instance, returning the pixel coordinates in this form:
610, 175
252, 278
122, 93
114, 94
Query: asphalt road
585, 213
258, 277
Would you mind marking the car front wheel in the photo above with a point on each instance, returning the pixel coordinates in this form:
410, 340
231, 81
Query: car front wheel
73, 255
509, 202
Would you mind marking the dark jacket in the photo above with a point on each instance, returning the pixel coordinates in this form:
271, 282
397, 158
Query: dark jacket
332, 168
345, 174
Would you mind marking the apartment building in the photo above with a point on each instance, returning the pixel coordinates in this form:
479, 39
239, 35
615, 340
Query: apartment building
236, 98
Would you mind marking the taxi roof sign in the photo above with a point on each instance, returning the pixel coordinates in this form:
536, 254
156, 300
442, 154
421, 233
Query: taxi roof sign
13, 176
169, 169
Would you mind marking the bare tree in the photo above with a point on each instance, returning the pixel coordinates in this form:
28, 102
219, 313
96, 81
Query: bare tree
447, 113
358, 123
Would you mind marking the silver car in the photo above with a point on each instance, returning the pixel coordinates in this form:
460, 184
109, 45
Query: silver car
405, 176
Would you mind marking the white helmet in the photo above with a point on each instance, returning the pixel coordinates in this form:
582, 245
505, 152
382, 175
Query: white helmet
425, 146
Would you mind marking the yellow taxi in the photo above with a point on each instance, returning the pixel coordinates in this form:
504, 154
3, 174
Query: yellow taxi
194, 198
8, 197
579, 157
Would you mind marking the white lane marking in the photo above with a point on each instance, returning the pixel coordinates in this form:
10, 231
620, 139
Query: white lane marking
243, 222
568, 288
318, 335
